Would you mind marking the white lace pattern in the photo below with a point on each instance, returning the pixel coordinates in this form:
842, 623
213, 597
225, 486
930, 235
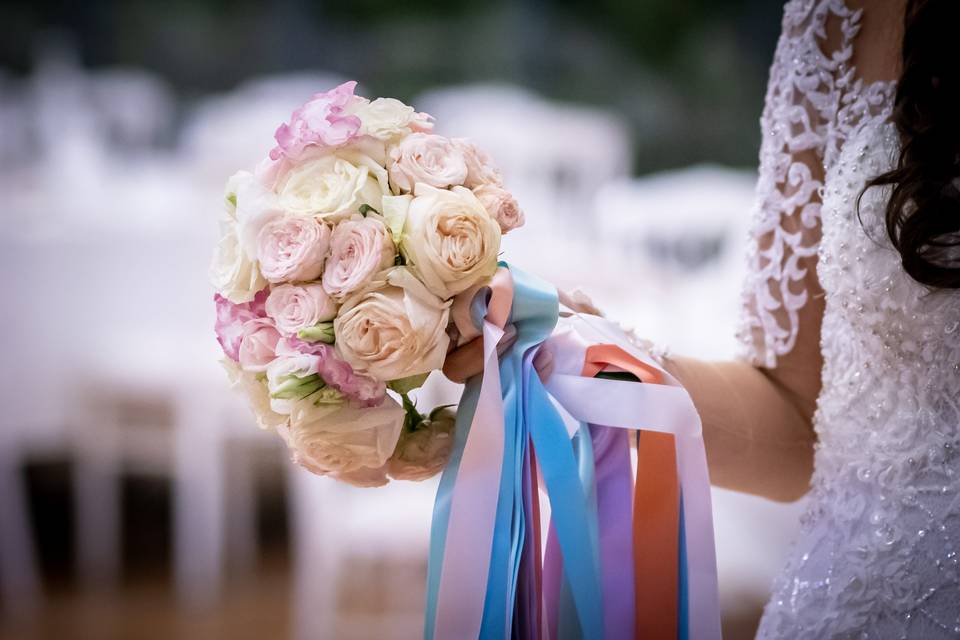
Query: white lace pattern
814, 100
878, 553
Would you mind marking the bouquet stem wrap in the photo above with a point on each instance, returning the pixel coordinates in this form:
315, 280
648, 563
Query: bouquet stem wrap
620, 562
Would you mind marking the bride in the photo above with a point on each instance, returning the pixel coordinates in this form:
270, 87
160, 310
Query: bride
849, 386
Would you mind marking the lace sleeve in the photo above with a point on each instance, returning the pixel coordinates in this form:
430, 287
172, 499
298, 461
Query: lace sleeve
802, 101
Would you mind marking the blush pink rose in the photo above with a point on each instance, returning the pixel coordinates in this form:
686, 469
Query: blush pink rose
359, 248
480, 167
426, 158
294, 307
501, 205
322, 121
230, 320
292, 248
258, 346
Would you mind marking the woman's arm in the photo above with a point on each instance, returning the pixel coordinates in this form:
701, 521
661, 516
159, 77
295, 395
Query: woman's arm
757, 432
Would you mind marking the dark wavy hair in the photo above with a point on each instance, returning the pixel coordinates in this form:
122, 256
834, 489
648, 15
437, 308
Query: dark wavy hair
923, 213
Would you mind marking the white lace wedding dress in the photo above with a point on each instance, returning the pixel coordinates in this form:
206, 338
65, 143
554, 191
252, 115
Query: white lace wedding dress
877, 556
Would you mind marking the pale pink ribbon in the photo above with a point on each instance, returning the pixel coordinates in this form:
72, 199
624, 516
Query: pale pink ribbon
473, 505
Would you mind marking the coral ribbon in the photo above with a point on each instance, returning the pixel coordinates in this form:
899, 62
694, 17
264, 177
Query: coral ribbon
656, 509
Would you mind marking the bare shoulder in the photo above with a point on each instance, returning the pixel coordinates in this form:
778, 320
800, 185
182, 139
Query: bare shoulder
876, 51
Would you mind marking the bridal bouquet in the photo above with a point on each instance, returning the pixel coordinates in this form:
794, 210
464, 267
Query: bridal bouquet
338, 259
348, 261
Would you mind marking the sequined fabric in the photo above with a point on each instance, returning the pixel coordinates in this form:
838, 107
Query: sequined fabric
877, 555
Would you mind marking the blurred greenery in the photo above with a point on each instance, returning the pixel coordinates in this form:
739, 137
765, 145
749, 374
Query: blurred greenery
688, 75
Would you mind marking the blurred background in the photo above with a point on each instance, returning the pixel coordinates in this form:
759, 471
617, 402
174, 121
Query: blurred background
137, 498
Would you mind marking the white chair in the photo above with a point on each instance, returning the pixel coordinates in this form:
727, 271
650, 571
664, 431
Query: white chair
335, 526
20, 585
160, 417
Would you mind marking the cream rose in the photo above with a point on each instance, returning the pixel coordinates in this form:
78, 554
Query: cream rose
480, 168
500, 204
295, 307
449, 240
427, 158
234, 275
292, 248
359, 248
394, 331
340, 439
388, 119
332, 186
423, 451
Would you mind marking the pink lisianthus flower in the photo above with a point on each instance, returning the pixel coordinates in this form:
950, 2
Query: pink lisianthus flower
230, 320
323, 121
363, 391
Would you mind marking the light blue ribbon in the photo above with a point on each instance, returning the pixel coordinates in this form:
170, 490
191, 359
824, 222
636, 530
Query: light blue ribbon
534, 312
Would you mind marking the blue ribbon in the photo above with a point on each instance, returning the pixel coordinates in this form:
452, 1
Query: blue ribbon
534, 312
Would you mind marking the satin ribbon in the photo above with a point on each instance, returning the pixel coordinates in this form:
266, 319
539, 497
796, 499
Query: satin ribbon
664, 408
656, 507
485, 502
479, 527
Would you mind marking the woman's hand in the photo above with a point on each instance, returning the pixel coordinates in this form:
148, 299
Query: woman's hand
467, 361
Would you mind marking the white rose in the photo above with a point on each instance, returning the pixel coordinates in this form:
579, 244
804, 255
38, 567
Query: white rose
295, 307
449, 240
388, 118
333, 186
234, 275
255, 390
340, 439
251, 205
428, 159
423, 451
394, 331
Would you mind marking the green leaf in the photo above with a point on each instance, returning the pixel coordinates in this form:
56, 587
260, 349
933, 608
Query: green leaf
436, 412
412, 417
408, 384
365, 209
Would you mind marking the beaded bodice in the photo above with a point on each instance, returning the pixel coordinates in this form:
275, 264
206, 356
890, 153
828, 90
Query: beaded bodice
878, 553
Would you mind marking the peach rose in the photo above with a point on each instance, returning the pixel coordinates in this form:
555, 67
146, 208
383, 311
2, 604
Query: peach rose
449, 239
423, 451
393, 331
501, 205
480, 167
